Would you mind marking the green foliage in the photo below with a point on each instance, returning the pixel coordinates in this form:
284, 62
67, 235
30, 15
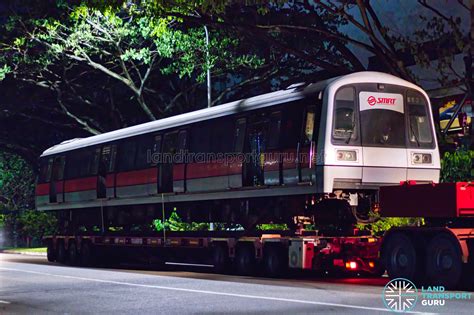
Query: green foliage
272, 227
384, 224
36, 224
457, 166
16, 183
175, 223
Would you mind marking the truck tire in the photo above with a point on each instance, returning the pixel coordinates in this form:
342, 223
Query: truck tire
401, 258
61, 255
87, 255
275, 261
245, 260
443, 261
51, 252
73, 256
220, 258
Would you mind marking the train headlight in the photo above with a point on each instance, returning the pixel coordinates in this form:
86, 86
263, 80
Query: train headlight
346, 155
421, 158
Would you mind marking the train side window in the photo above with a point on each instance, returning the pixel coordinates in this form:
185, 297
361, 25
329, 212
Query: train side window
419, 125
292, 124
200, 141
58, 168
156, 150
145, 144
170, 147
345, 118
274, 131
239, 138
221, 136
126, 155
45, 170
107, 163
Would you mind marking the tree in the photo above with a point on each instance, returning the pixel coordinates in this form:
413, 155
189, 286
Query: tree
104, 68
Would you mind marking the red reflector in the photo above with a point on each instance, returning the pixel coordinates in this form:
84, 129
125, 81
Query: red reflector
338, 262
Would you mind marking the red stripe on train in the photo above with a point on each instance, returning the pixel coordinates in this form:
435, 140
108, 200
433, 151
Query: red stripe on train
149, 175
80, 184
42, 189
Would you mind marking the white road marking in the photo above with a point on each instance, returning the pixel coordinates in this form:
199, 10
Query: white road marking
256, 297
4, 302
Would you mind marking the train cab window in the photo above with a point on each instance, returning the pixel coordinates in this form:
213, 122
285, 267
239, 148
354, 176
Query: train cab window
45, 170
419, 126
274, 130
345, 117
239, 136
126, 155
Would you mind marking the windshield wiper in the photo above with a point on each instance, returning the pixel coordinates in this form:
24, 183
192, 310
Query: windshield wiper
414, 134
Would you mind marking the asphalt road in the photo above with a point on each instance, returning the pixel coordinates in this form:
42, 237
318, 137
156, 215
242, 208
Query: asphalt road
31, 285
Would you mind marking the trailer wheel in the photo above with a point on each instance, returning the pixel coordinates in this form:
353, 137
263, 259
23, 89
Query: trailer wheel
86, 256
220, 258
61, 254
443, 262
245, 260
275, 261
72, 254
50, 251
401, 258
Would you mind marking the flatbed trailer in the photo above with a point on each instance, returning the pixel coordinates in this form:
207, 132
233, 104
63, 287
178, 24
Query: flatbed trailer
437, 253
268, 254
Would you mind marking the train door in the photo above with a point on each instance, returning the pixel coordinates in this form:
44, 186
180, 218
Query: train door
236, 164
56, 187
273, 158
165, 183
307, 146
255, 147
105, 173
179, 165
155, 159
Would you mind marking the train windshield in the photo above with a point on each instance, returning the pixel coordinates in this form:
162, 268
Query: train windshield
382, 119
396, 117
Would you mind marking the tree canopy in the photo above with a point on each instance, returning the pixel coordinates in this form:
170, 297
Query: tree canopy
77, 68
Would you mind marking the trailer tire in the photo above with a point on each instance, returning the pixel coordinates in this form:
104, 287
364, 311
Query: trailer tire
51, 252
73, 256
220, 258
61, 254
245, 260
443, 262
401, 257
275, 261
87, 255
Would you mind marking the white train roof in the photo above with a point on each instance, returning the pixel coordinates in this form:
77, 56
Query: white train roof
261, 101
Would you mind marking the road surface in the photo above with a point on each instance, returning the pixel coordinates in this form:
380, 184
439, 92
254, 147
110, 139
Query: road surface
31, 285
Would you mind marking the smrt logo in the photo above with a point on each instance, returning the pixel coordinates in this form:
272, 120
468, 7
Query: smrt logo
380, 100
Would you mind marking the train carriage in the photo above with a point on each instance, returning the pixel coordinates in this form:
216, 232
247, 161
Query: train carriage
308, 150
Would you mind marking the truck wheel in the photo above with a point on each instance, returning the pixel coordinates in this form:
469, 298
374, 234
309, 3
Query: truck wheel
274, 262
61, 254
86, 258
51, 252
245, 260
401, 258
220, 258
72, 254
443, 262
